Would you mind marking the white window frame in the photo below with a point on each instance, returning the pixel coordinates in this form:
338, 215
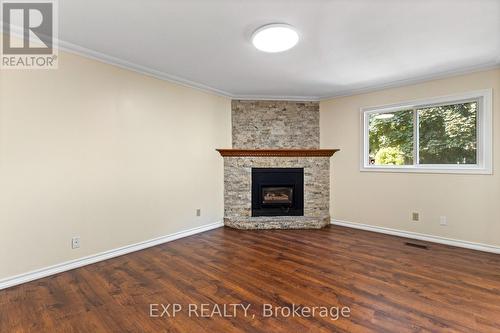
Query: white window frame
484, 135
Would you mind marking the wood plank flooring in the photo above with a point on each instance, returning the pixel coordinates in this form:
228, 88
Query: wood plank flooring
388, 286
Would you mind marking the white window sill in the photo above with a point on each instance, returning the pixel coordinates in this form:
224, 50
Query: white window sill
429, 169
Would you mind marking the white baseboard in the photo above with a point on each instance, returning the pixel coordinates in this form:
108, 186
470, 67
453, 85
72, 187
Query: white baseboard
72, 264
419, 236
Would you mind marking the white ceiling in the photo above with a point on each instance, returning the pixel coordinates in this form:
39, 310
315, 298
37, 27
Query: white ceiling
346, 46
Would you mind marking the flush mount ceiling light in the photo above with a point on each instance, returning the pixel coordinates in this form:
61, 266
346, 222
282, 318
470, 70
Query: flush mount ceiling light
275, 38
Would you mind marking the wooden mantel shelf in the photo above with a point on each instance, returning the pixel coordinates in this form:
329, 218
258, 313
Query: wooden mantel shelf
277, 152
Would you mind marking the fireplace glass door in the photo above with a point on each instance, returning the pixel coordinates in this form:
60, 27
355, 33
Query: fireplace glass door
277, 192
273, 195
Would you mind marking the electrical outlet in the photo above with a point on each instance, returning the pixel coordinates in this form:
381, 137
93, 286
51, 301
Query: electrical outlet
75, 242
198, 212
443, 220
415, 216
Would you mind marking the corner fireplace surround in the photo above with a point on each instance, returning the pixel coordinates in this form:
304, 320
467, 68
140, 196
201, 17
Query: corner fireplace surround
239, 169
277, 192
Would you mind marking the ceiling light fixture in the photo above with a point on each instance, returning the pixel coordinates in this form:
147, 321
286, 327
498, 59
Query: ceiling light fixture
276, 37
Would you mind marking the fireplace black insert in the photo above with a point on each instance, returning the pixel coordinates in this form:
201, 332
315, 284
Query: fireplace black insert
277, 192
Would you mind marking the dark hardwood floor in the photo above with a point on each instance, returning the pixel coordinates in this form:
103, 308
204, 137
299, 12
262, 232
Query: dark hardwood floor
388, 286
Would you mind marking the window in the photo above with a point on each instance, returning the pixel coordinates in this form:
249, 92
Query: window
446, 134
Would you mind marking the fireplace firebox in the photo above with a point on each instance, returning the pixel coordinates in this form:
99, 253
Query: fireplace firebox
277, 191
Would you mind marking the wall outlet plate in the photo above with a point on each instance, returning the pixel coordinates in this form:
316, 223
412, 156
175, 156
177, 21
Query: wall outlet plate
75, 242
443, 220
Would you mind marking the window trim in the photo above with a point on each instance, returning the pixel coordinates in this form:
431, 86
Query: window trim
484, 135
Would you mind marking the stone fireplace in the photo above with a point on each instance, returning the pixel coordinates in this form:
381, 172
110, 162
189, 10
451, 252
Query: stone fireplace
275, 176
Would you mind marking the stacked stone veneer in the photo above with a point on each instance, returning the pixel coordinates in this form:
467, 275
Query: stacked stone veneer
274, 125
238, 192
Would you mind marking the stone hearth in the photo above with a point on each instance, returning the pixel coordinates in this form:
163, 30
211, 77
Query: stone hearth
276, 134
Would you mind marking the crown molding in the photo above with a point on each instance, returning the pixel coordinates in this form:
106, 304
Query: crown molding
65, 46
115, 61
421, 79
276, 98
128, 65
85, 52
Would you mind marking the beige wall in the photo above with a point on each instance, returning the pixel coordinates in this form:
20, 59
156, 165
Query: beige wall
471, 202
106, 154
